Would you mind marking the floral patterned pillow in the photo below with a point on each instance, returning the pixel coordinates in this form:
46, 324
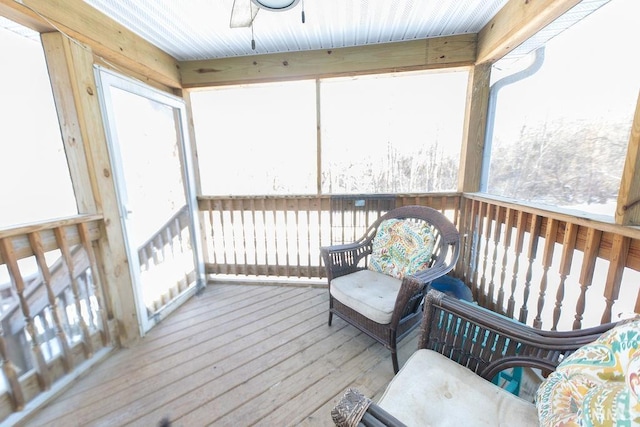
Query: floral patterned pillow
402, 247
597, 385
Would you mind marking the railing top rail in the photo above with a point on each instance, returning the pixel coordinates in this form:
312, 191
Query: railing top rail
327, 196
48, 225
598, 222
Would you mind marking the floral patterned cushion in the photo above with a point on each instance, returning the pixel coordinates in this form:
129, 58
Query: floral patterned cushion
401, 247
597, 385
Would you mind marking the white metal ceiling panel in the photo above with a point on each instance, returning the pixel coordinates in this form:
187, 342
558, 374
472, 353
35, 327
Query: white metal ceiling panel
200, 29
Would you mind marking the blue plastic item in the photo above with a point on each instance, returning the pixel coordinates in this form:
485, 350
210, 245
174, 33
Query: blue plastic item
452, 286
509, 379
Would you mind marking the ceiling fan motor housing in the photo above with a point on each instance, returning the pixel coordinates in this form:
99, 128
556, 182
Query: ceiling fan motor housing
275, 5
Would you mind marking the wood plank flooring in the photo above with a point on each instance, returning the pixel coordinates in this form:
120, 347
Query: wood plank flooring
238, 355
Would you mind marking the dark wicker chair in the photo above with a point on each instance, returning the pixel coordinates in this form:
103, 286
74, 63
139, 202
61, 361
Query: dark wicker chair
478, 339
346, 259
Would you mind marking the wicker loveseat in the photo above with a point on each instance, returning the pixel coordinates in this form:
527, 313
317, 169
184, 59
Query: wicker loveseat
378, 283
447, 382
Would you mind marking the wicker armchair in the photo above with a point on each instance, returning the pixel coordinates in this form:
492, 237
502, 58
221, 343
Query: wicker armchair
404, 304
462, 347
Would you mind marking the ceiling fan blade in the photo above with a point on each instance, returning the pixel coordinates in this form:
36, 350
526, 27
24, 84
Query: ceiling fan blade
242, 14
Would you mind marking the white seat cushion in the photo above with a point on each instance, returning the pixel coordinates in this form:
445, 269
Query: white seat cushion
432, 390
369, 293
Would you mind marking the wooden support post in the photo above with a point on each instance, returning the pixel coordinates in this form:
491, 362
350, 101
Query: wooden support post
628, 208
475, 127
76, 97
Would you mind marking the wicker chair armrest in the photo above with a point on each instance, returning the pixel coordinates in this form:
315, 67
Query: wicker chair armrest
428, 275
344, 259
479, 338
585, 335
507, 362
355, 409
414, 286
341, 248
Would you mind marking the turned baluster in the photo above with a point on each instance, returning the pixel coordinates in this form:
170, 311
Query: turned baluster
8, 368
61, 239
9, 258
534, 233
617, 263
169, 241
477, 245
160, 245
471, 248
520, 229
551, 231
592, 245
568, 249
497, 230
38, 251
484, 218
505, 257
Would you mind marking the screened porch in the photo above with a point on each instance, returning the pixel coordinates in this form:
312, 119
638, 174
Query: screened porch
160, 257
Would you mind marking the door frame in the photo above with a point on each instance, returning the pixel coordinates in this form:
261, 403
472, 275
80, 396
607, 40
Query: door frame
105, 79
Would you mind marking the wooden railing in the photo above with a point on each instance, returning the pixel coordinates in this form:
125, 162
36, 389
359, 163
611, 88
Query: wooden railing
547, 269
552, 270
53, 313
281, 236
169, 245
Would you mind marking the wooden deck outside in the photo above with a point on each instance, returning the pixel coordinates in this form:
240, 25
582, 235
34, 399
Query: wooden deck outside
237, 355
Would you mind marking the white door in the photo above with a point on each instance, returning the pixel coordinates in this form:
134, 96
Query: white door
149, 150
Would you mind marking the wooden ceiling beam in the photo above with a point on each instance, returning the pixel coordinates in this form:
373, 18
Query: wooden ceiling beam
516, 22
441, 52
105, 37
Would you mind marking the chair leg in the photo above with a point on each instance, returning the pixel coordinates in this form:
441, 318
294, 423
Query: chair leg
394, 359
330, 317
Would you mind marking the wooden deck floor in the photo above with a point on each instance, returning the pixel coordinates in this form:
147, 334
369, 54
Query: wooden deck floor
237, 355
